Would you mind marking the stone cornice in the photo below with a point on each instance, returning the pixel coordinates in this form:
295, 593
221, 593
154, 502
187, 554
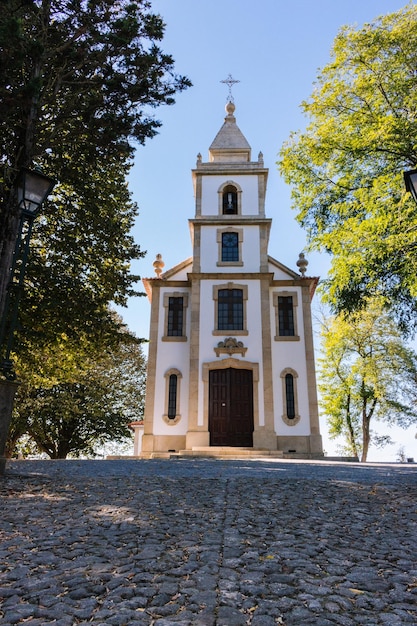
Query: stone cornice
231, 276
244, 220
310, 282
220, 167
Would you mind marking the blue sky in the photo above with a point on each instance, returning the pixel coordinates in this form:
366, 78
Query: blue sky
274, 48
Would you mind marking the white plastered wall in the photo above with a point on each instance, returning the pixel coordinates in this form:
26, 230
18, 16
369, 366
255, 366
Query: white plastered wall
171, 355
290, 354
210, 198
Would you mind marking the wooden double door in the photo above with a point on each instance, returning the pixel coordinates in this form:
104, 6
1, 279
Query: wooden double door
231, 407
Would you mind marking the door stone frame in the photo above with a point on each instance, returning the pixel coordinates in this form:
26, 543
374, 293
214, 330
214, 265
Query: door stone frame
234, 364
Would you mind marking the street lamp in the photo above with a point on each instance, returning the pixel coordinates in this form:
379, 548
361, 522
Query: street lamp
410, 179
32, 189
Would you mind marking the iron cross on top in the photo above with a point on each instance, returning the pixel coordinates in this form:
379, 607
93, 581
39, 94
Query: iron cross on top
230, 81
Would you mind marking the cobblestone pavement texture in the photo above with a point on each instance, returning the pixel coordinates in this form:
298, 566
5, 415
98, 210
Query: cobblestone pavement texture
208, 542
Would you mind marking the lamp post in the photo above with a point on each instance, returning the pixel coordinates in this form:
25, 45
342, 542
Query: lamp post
410, 179
33, 187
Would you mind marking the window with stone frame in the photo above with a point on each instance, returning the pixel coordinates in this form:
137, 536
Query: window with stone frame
230, 309
230, 247
230, 200
172, 396
285, 303
289, 394
230, 302
175, 316
230, 242
175, 305
285, 316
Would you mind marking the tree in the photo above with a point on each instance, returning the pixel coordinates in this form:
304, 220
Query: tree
78, 82
347, 167
75, 400
80, 260
366, 373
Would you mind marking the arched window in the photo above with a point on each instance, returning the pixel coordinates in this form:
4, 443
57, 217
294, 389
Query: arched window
289, 396
172, 396
229, 200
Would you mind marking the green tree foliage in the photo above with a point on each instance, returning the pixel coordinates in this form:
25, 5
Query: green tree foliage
78, 82
73, 400
366, 373
347, 167
80, 259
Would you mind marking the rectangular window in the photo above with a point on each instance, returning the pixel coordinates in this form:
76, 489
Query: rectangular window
230, 247
285, 316
175, 316
230, 309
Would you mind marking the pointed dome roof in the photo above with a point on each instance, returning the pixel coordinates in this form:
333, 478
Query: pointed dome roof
230, 144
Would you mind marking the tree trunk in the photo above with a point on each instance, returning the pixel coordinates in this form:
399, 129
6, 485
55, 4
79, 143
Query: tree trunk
7, 393
366, 420
352, 440
365, 439
9, 230
10, 217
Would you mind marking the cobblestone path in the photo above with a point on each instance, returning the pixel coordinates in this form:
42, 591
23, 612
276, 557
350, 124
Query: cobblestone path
207, 543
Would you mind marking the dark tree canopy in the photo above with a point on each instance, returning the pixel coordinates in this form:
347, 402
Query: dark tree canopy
78, 78
347, 167
79, 81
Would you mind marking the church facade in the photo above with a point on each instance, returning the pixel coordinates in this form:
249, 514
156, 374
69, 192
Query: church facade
231, 360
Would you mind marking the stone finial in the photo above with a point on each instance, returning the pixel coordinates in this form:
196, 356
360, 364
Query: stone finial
302, 264
199, 158
158, 265
230, 109
260, 158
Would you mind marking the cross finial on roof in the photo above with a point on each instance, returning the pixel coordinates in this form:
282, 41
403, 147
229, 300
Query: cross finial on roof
230, 81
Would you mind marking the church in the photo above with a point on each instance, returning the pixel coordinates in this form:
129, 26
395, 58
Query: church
231, 359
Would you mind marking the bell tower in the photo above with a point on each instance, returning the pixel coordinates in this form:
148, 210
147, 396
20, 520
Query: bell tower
230, 194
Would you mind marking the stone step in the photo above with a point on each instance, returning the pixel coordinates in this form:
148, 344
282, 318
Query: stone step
230, 452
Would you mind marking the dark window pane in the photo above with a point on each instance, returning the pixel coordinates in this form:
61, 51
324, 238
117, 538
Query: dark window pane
289, 396
230, 247
230, 309
175, 317
285, 316
172, 396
